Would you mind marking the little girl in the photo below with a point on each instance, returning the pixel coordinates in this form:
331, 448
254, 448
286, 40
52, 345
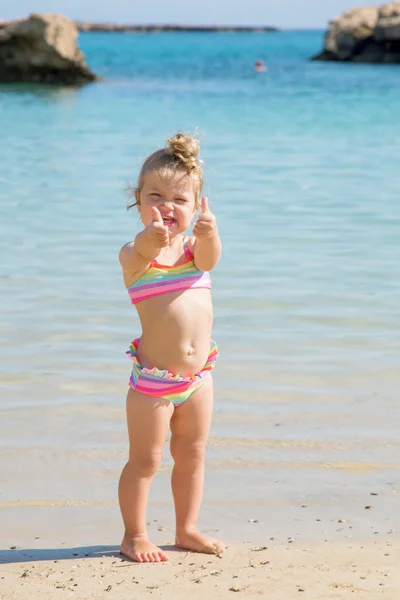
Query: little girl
167, 277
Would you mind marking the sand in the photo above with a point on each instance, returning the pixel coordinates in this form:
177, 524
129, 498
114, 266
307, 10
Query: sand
282, 571
323, 482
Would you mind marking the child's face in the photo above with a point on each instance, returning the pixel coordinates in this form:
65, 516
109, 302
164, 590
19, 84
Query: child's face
173, 195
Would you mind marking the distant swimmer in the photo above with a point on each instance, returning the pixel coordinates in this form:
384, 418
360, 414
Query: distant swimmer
260, 67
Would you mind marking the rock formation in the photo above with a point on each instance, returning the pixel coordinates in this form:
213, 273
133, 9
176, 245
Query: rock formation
42, 48
364, 35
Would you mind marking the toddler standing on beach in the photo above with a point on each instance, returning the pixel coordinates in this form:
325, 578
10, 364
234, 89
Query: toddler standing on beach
167, 277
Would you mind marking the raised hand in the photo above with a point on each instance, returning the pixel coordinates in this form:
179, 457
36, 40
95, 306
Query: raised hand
158, 232
206, 223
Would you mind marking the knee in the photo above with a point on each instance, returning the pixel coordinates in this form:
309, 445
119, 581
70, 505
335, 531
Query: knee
145, 464
187, 451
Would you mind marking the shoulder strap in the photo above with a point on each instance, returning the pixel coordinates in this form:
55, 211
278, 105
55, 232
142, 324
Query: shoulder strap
186, 248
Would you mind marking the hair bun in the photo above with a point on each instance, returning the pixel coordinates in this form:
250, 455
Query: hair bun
185, 149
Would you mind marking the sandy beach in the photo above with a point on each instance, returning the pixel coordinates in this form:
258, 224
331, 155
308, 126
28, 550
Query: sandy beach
297, 514
283, 571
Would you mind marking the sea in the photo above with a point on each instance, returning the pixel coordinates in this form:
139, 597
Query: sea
302, 172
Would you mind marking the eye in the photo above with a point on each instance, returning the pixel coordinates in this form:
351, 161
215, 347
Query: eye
180, 200
154, 197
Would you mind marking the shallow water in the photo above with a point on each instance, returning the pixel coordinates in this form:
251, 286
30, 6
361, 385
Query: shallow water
302, 172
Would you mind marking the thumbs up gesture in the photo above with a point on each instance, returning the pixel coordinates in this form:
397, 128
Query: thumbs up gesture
206, 223
157, 231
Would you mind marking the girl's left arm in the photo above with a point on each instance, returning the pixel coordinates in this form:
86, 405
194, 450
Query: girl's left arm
207, 247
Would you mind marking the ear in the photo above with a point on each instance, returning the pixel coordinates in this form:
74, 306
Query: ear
137, 198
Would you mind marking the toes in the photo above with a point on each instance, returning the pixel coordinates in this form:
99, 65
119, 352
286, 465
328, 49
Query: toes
163, 557
153, 554
138, 557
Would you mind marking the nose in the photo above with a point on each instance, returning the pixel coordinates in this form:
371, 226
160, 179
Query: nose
168, 205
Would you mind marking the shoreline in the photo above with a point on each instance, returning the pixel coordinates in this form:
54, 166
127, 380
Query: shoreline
284, 571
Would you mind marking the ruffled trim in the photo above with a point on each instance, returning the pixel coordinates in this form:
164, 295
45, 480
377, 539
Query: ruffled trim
154, 372
164, 374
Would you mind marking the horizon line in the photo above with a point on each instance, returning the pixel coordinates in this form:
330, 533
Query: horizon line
177, 26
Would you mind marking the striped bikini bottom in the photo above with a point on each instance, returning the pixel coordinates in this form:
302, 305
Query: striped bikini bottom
163, 384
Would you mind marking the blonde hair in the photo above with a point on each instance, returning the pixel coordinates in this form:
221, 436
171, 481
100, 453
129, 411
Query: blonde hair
179, 157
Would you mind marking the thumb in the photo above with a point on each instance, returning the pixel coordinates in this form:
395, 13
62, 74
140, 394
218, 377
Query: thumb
157, 218
204, 205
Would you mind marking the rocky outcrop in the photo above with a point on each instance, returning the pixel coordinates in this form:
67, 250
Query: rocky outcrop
42, 48
364, 35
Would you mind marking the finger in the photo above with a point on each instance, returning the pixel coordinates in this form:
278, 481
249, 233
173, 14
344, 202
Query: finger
164, 239
160, 228
204, 205
198, 231
157, 218
206, 217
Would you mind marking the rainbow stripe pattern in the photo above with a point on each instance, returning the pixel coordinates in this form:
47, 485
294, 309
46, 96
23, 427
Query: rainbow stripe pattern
163, 384
161, 279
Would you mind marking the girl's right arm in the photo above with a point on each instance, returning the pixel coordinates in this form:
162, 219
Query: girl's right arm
135, 257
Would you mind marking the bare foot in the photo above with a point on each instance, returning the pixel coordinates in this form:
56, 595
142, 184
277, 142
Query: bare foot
195, 541
141, 550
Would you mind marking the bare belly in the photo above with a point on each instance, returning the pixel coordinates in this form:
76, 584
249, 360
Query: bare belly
176, 331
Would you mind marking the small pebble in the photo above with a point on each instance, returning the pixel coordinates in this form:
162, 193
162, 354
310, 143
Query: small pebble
342, 521
234, 588
367, 507
253, 521
161, 529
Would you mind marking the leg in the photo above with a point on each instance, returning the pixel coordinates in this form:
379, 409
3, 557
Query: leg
148, 422
190, 425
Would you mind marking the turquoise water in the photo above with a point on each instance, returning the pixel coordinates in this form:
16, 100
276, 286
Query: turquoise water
302, 172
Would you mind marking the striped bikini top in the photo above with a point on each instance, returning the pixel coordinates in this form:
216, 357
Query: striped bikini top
161, 279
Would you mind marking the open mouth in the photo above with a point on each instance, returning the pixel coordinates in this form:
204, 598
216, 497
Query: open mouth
169, 221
